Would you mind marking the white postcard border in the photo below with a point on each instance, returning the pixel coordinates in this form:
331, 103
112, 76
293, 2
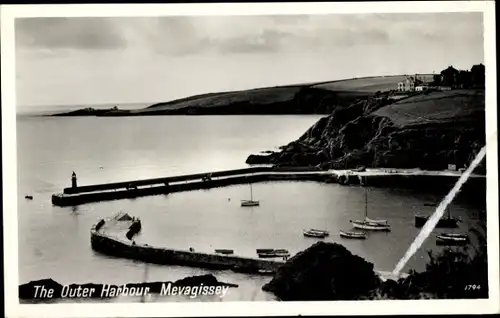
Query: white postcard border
14, 309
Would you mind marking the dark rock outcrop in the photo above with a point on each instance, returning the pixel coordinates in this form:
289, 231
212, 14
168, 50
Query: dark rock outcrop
324, 271
328, 271
89, 111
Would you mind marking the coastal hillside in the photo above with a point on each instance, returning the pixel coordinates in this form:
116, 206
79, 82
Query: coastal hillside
310, 98
427, 130
369, 84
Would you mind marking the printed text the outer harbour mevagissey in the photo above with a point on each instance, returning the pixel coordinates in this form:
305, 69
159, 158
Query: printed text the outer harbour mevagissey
167, 289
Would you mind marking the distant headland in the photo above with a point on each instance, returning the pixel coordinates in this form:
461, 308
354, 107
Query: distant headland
310, 98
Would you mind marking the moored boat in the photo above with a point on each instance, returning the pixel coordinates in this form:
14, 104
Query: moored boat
251, 202
271, 253
454, 235
364, 225
224, 251
264, 250
281, 252
318, 231
314, 233
444, 222
379, 221
452, 239
370, 224
353, 234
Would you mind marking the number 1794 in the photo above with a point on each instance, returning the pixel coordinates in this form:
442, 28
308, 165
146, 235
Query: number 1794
472, 287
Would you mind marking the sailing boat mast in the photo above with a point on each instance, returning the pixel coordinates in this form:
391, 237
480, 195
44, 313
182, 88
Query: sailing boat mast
366, 203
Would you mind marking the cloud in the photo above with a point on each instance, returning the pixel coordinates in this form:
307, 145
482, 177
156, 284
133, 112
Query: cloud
185, 35
92, 33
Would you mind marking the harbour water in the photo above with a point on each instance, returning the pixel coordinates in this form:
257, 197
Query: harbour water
54, 241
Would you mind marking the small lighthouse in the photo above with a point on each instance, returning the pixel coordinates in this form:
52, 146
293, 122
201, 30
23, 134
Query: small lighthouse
73, 180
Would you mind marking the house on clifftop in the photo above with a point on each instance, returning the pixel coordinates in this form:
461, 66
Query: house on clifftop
449, 77
409, 84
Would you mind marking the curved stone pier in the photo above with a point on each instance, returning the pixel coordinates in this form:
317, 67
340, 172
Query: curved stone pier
118, 245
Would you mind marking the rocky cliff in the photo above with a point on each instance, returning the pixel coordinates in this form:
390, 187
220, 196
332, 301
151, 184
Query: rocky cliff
328, 271
324, 271
425, 130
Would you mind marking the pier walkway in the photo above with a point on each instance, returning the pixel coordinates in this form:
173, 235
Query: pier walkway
76, 195
109, 237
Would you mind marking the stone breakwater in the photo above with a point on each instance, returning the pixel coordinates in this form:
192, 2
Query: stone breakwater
375, 177
108, 237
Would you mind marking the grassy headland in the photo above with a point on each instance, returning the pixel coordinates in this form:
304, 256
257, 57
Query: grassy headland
311, 98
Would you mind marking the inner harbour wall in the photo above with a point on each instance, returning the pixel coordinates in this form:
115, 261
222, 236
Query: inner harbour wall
117, 247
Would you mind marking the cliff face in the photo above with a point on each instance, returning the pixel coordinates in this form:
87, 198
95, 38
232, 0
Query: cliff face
426, 131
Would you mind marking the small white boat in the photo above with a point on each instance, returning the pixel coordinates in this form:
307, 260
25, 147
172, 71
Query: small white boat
370, 226
281, 252
453, 237
315, 233
272, 253
319, 231
353, 234
250, 202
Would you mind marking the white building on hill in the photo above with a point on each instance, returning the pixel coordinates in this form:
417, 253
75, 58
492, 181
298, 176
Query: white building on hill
408, 85
421, 88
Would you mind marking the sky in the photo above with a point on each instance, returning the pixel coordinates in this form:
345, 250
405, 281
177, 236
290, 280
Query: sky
96, 60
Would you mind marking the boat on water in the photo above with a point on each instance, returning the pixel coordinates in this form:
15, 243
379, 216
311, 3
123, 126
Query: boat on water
445, 222
452, 239
264, 250
353, 234
364, 225
28, 197
281, 252
315, 233
272, 253
370, 224
379, 221
251, 202
224, 251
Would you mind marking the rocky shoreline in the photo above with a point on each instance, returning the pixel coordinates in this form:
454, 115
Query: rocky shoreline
328, 271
